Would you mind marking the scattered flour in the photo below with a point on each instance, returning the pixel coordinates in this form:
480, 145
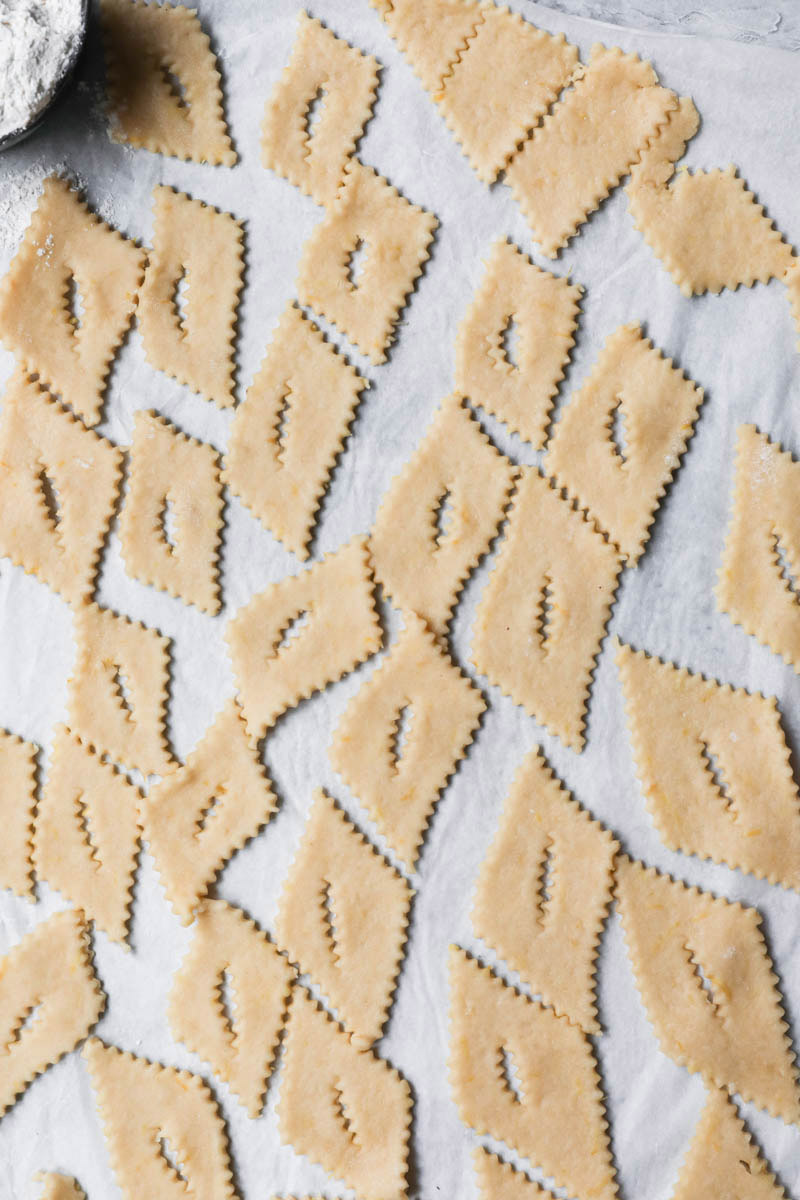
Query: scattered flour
37, 40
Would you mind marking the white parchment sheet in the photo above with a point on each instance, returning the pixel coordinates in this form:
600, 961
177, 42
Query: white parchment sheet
739, 346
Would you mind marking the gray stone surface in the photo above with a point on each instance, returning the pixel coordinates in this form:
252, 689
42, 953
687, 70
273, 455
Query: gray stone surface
772, 23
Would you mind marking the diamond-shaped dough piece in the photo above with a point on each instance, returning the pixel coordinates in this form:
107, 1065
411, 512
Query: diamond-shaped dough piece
423, 553
705, 227
399, 790
145, 1108
706, 981
544, 889
557, 1118
593, 137
759, 577
59, 1187
287, 434
65, 246
240, 1046
278, 662
345, 79
621, 487
17, 805
203, 812
342, 1107
722, 1158
348, 938
544, 310
118, 689
171, 471
714, 768
543, 613
395, 235
163, 83
58, 486
86, 841
505, 80
498, 1180
432, 34
200, 246
49, 1000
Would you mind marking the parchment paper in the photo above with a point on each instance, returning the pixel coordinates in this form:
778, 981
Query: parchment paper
739, 346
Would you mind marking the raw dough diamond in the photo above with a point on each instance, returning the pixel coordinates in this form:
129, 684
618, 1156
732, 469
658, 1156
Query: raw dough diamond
349, 938
343, 81
173, 474
440, 514
544, 889
543, 613
58, 487
342, 1107
190, 334
163, 82
152, 1113
523, 1075
68, 298
240, 1044
199, 815
759, 579
399, 787
49, 1000
369, 214
706, 980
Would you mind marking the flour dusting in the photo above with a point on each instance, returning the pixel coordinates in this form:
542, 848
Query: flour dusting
37, 40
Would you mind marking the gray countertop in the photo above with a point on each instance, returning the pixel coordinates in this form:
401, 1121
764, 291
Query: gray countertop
769, 22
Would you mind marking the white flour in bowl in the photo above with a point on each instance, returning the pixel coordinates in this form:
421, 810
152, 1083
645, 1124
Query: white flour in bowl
37, 39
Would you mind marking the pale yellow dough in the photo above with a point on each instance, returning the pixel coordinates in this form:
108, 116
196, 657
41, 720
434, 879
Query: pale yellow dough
395, 234
144, 1107
112, 652
343, 1108
507, 77
336, 599
592, 138
753, 587
680, 725
86, 839
497, 1180
342, 919
192, 240
286, 436
544, 310
431, 33
557, 1120
200, 814
345, 80
543, 659
722, 1160
544, 889
241, 1046
67, 245
728, 1026
47, 979
17, 805
443, 710
421, 563
59, 1187
620, 488
145, 44
705, 227
58, 487
169, 468
792, 281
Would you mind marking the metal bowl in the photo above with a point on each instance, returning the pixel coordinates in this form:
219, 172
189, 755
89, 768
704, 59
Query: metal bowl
61, 85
